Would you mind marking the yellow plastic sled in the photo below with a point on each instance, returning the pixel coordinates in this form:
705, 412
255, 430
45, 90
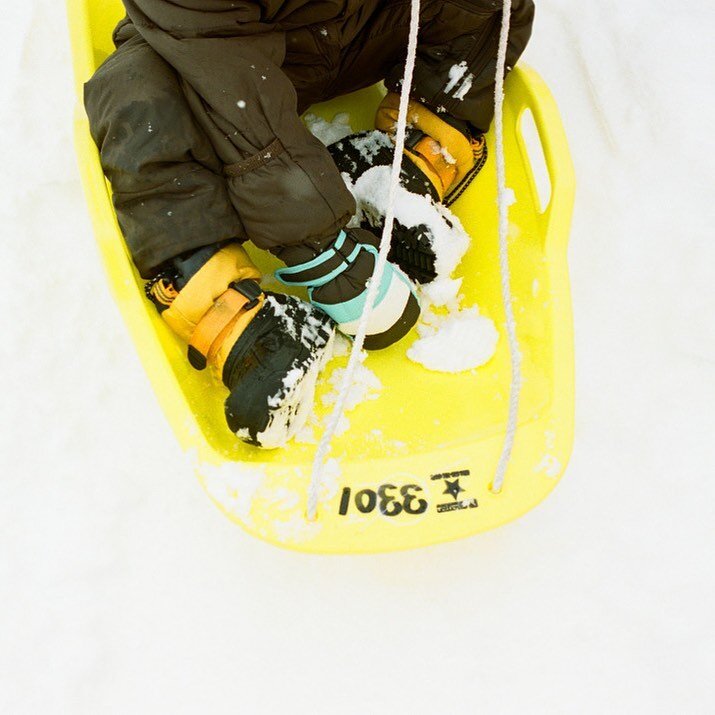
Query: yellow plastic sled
416, 464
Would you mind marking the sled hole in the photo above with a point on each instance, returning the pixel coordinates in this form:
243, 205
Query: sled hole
537, 161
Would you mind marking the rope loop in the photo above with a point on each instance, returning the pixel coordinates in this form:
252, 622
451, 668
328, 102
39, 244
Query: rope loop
376, 280
514, 351
355, 354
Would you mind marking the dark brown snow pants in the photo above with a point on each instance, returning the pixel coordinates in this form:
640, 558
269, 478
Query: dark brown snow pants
186, 160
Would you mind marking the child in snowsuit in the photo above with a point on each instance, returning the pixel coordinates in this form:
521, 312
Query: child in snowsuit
197, 119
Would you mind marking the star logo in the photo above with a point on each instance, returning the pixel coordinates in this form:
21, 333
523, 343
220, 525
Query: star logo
453, 488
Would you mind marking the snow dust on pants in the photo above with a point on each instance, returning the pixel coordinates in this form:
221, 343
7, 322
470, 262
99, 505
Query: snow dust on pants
198, 125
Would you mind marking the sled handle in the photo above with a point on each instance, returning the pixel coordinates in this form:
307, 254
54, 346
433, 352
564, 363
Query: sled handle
534, 95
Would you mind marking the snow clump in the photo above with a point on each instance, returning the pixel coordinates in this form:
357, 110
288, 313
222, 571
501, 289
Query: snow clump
329, 132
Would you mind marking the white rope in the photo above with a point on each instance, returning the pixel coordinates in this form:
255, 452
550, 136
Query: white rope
348, 378
514, 352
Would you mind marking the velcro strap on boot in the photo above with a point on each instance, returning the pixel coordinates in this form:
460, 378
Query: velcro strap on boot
322, 269
239, 298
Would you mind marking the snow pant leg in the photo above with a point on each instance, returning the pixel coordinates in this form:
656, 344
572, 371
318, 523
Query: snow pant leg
456, 53
169, 191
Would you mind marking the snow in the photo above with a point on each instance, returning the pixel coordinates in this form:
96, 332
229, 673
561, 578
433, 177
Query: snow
329, 132
233, 489
460, 81
124, 590
464, 88
446, 155
461, 340
366, 386
456, 74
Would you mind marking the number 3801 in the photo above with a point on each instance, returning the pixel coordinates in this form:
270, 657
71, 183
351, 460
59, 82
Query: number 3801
389, 499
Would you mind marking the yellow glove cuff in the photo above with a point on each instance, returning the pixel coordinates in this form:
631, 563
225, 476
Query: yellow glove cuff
452, 140
429, 156
194, 300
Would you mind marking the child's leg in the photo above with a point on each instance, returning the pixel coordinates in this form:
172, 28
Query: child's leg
188, 178
168, 188
180, 224
456, 54
451, 105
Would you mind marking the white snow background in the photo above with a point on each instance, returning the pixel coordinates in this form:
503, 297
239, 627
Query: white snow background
123, 590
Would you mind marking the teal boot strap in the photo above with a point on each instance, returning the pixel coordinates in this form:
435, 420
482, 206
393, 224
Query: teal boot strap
287, 275
349, 310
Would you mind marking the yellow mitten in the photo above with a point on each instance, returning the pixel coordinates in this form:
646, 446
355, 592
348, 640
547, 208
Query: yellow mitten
444, 154
208, 314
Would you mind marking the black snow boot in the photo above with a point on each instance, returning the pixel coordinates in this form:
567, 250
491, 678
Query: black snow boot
267, 348
442, 157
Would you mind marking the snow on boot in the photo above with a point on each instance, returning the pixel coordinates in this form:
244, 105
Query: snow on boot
337, 276
268, 349
442, 157
273, 368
